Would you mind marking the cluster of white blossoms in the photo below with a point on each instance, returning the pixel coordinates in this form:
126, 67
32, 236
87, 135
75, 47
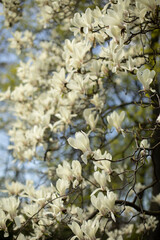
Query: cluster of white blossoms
54, 10
12, 211
61, 103
116, 120
12, 11
21, 41
151, 223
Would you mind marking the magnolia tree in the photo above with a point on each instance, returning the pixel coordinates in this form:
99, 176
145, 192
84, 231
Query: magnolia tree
87, 107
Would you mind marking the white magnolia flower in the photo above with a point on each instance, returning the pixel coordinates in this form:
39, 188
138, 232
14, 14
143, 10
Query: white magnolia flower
75, 53
115, 54
112, 18
77, 169
76, 230
14, 188
104, 204
64, 171
115, 33
116, 120
90, 228
10, 205
82, 22
80, 84
97, 101
64, 115
144, 144
104, 162
101, 178
59, 80
90, 118
146, 78
81, 141
62, 185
